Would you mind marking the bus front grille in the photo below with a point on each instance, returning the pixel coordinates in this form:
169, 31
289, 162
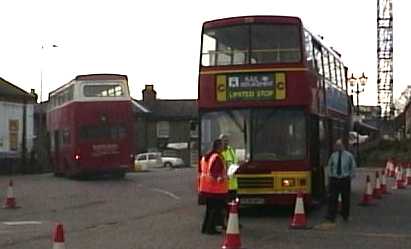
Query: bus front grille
255, 182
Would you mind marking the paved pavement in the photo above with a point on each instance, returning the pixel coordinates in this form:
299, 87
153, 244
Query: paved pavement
158, 209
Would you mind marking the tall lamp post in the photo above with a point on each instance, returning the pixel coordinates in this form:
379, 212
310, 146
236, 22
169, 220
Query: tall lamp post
41, 70
357, 86
41, 149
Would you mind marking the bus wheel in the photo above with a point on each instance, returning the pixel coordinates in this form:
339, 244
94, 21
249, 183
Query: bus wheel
168, 164
119, 174
58, 174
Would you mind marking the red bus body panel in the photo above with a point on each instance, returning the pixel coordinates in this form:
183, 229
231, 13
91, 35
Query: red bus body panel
97, 155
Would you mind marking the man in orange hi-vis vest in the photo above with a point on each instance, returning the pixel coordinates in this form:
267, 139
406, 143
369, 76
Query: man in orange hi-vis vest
213, 186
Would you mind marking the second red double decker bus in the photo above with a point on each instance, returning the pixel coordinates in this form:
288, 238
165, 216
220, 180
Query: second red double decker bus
90, 125
281, 96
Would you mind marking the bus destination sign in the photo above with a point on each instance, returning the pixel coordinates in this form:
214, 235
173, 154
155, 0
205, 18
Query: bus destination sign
257, 86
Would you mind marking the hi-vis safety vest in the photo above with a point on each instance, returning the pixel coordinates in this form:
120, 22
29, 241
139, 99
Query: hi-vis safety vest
230, 158
208, 184
201, 171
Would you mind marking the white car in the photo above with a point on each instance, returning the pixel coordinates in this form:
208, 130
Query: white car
147, 160
353, 136
172, 162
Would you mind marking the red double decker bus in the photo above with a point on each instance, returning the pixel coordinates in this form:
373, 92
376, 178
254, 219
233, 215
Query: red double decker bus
281, 96
90, 125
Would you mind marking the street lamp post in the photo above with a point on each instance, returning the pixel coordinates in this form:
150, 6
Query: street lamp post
41, 70
41, 149
357, 87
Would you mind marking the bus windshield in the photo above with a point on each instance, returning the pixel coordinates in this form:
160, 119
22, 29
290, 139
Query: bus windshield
103, 90
251, 44
258, 134
278, 135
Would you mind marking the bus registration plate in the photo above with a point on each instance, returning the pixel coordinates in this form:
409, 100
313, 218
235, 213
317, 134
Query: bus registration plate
252, 201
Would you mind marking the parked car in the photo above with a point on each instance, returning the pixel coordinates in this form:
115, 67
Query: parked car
353, 136
171, 158
172, 162
147, 160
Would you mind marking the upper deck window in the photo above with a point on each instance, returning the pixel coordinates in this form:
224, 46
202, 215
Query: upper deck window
251, 44
112, 90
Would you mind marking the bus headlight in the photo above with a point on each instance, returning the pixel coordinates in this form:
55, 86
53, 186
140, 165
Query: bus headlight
288, 182
303, 182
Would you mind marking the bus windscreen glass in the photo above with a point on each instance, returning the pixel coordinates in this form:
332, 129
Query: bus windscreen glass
251, 44
260, 135
278, 135
104, 90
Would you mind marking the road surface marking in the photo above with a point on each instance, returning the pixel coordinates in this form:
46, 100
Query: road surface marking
18, 223
166, 193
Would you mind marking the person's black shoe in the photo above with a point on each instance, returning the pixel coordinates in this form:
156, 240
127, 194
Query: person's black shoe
329, 219
213, 232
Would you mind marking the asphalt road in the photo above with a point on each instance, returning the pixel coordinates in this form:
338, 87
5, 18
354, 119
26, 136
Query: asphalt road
158, 210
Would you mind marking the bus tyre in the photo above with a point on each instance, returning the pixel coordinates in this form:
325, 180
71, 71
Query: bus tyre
119, 174
168, 164
58, 174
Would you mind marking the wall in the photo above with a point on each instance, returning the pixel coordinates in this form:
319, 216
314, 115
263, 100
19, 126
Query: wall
14, 111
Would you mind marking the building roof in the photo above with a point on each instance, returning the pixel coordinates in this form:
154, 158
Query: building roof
11, 92
171, 109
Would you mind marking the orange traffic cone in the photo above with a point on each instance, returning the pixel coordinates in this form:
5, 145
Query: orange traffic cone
367, 197
408, 174
58, 237
299, 220
401, 177
10, 201
399, 184
377, 193
390, 168
384, 189
232, 235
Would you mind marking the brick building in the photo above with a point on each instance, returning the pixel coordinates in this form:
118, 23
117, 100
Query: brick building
165, 125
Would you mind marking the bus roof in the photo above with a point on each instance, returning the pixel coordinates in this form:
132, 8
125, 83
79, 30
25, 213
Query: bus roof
251, 19
102, 76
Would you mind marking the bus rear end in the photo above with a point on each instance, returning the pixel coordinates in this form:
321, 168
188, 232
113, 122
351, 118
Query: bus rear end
104, 143
90, 122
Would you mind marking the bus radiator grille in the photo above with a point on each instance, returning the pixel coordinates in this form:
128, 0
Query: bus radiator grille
255, 182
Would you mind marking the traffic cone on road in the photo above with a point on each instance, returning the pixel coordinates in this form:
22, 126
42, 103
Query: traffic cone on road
299, 220
408, 174
232, 234
377, 193
367, 197
10, 201
399, 184
401, 177
58, 237
384, 189
389, 168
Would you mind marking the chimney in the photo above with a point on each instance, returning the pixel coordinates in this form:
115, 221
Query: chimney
33, 92
149, 94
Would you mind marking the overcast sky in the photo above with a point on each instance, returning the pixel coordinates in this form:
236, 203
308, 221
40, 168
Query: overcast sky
158, 42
